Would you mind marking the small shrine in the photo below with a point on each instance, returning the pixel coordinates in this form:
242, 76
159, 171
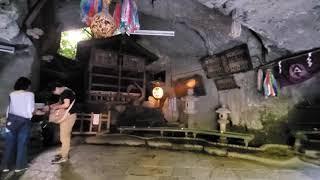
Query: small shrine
114, 65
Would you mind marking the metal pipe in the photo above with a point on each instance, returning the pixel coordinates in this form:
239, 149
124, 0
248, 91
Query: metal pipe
7, 49
153, 33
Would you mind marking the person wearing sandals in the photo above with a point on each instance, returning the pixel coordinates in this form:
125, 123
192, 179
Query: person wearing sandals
18, 126
66, 99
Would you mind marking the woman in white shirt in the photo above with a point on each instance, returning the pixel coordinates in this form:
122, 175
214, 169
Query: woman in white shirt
18, 125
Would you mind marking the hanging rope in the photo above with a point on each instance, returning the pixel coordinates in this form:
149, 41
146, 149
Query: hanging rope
103, 24
235, 26
260, 80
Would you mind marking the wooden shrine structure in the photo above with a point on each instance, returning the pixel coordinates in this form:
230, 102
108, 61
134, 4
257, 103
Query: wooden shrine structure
116, 69
115, 74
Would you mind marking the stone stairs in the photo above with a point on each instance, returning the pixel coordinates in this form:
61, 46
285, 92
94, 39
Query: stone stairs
309, 146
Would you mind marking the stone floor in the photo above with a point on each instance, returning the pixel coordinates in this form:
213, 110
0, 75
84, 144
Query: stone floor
89, 162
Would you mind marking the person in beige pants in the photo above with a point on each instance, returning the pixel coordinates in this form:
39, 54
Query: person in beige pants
65, 135
66, 101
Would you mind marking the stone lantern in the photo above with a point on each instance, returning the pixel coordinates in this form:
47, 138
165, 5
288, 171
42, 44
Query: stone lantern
223, 118
190, 101
190, 109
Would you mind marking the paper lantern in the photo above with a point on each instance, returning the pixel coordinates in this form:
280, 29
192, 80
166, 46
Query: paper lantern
157, 92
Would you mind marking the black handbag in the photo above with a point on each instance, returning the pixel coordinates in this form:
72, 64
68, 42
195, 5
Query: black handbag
14, 122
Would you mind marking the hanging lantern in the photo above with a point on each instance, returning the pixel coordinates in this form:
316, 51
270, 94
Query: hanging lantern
103, 25
157, 92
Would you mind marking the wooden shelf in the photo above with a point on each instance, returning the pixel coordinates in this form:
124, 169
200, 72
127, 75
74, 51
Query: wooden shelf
114, 73
107, 86
104, 85
104, 66
104, 75
116, 77
111, 92
133, 79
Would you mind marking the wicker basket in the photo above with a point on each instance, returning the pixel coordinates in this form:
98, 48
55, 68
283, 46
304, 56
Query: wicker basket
103, 25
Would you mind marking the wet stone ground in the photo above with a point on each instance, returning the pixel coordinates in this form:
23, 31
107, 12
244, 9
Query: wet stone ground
89, 162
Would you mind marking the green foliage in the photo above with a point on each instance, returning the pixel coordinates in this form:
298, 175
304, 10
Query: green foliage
69, 40
2, 120
275, 129
277, 153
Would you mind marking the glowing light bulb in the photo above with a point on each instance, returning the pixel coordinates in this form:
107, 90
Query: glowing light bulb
191, 83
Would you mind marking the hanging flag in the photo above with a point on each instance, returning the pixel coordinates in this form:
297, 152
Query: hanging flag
88, 9
117, 14
297, 69
129, 17
270, 85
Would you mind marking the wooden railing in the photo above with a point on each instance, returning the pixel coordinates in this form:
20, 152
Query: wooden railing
193, 132
109, 97
85, 124
303, 137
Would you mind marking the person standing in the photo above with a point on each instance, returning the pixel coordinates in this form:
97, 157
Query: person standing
18, 126
66, 99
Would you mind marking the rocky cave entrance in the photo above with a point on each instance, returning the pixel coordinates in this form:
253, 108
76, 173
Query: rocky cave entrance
208, 34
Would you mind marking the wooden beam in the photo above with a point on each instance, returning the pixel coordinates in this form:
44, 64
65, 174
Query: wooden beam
34, 14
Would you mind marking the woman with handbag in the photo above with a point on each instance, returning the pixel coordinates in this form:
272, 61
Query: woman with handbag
63, 113
18, 125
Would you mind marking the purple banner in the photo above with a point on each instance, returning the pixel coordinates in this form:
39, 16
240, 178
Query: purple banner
297, 69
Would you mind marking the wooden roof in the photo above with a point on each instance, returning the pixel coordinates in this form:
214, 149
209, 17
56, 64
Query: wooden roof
121, 43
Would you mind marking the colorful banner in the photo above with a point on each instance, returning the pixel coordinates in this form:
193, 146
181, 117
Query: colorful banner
297, 69
129, 21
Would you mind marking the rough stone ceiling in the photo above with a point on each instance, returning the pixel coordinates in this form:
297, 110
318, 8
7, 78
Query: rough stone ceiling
209, 25
282, 27
202, 26
293, 25
199, 30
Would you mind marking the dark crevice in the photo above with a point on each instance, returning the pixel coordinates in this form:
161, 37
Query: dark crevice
199, 34
264, 50
152, 2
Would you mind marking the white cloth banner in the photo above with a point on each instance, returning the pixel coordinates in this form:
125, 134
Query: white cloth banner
96, 119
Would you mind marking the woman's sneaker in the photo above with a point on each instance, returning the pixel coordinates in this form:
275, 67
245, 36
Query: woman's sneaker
19, 170
5, 170
58, 161
58, 156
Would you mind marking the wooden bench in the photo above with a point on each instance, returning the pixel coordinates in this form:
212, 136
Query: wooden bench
162, 130
84, 124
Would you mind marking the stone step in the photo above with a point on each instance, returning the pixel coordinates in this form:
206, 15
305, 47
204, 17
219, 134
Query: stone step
311, 145
314, 141
312, 154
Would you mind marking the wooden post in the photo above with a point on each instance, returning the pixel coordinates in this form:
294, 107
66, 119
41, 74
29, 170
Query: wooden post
109, 120
100, 123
